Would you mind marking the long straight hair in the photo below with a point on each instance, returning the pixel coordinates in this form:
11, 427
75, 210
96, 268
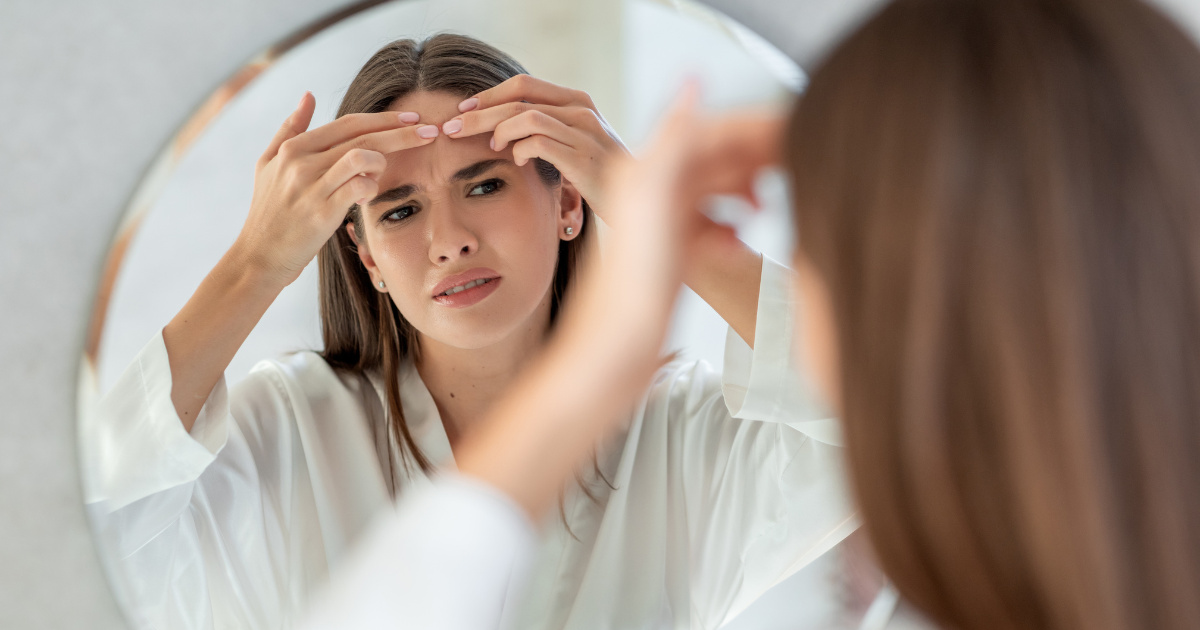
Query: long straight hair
1003, 199
362, 329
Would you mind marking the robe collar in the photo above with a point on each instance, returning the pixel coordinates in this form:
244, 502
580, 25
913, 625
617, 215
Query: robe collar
423, 419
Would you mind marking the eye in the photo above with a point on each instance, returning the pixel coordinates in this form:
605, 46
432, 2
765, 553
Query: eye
486, 188
399, 214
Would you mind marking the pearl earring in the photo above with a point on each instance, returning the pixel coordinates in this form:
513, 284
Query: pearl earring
570, 230
381, 285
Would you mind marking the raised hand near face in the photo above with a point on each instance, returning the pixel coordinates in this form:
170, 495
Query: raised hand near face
659, 202
547, 121
659, 198
306, 181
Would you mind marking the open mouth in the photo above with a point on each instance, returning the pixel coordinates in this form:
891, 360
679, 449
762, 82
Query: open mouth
472, 290
463, 287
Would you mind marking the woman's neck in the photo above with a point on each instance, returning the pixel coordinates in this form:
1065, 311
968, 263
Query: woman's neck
464, 383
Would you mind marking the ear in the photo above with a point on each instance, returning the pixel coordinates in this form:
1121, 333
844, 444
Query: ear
570, 211
364, 255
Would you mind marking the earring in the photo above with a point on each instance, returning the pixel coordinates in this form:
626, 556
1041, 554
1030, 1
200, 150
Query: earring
570, 230
381, 285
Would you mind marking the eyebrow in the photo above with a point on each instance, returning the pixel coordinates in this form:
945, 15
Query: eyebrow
469, 172
477, 169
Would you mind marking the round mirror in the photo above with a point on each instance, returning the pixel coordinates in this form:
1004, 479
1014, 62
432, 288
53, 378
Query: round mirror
234, 524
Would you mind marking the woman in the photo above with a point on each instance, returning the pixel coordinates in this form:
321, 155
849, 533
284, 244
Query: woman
465, 182
998, 221
999, 227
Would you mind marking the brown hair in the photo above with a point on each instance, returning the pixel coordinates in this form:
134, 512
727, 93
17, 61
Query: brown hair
362, 329
1003, 199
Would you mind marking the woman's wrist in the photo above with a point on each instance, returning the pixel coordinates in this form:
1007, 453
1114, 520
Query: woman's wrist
247, 266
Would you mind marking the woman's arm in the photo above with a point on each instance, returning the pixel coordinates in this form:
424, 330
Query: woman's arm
204, 336
727, 278
602, 357
305, 182
725, 272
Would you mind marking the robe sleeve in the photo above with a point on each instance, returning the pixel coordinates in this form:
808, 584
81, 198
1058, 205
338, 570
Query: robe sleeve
454, 555
755, 486
194, 524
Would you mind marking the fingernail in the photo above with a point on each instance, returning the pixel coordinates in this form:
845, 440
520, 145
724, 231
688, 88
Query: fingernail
453, 126
468, 104
492, 143
409, 117
302, 97
427, 131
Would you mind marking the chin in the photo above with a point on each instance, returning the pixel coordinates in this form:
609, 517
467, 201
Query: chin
493, 321
472, 329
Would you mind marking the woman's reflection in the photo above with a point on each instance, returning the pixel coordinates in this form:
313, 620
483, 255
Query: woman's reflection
449, 205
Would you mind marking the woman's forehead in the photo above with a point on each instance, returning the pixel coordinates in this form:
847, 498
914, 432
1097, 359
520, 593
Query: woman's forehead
436, 163
435, 108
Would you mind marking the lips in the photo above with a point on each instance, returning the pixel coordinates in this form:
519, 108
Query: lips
459, 282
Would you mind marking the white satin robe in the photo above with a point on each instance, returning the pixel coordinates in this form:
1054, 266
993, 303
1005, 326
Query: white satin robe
725, 485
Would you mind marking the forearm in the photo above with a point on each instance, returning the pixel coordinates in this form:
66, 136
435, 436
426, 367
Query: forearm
728, 279
547, 424
205, 335
582, 386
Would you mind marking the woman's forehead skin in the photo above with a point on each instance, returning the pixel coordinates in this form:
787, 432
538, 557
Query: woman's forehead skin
435, 163
435, 108
432, 165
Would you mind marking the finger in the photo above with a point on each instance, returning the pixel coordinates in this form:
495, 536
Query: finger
384, 142
351, 126
669, 149
524, 87
652, 181
486, 120
295, 124
532, 123
542, 147
673, 135
751, 135
355, 164
728, 152
357, 190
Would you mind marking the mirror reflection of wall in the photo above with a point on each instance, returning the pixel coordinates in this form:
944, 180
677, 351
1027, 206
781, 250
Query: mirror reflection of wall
629, 55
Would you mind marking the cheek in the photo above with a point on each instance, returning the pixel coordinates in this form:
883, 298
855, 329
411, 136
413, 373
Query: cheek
525, 232
401, 258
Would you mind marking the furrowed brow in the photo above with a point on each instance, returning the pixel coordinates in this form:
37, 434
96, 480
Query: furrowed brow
395, 194
477, 169
469, 172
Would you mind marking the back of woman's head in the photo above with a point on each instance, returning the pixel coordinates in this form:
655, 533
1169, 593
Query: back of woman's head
1003, 199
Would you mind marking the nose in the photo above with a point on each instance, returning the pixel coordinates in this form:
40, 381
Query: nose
449, 238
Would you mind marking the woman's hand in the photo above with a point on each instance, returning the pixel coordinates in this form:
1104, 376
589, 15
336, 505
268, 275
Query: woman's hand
306, 181
729, 153
661, 233
547, 121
